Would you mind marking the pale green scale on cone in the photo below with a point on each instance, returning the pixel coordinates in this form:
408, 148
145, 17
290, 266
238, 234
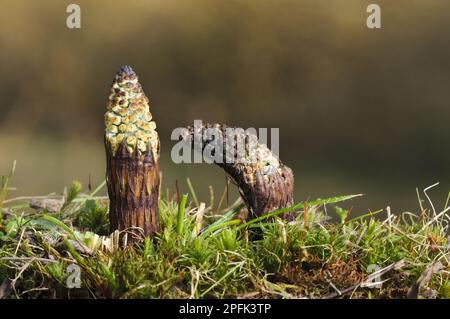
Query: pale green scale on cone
128, 117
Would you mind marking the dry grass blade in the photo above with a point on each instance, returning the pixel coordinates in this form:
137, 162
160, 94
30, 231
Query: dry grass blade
199, 218
5, 288
368, 282
424, 279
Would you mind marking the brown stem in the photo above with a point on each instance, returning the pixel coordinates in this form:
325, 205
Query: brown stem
133, 188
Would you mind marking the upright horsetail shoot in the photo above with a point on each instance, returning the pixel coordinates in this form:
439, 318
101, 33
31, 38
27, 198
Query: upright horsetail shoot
132, 153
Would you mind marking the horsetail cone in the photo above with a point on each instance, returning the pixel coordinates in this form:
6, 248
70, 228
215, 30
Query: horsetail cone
132, 152
264, 182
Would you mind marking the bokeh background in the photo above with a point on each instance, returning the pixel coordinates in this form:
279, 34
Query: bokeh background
359, 110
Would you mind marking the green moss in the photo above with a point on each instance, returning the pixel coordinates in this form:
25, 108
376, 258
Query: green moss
266, 258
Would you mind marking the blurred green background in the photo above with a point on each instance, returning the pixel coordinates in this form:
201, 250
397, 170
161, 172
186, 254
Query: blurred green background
359, 110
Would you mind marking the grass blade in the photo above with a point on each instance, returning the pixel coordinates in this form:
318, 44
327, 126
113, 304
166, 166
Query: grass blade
180, 216
210, 229
191, 189
5, 184
60, 224
225, 218
298, 206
